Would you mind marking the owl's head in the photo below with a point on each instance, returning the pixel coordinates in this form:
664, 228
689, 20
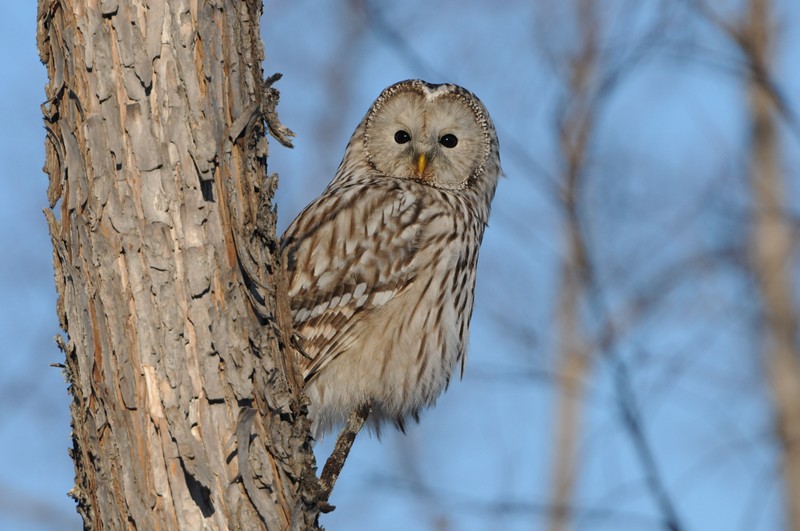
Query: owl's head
440, 135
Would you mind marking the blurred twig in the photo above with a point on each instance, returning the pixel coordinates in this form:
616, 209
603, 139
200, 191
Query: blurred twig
773, 251
748, 35
772, 244
575, 122
589, 80
465, 503
628, 405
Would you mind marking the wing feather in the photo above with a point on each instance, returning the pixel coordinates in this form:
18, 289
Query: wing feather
351, 251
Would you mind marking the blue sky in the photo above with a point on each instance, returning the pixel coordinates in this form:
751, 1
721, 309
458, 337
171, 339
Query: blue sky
665, 181
34, 416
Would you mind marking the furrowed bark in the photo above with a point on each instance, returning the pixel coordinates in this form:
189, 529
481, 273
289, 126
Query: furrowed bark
166, 266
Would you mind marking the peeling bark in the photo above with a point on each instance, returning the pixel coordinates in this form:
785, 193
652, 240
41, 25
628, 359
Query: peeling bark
166, 267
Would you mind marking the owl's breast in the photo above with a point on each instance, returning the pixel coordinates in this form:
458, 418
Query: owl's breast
401, 356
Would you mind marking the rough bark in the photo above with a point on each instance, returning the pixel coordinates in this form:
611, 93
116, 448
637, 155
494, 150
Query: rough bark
772, 251
165, 266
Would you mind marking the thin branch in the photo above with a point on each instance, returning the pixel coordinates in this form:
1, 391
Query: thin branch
629, 409
465, 503
756, 67
395, 39
335, 463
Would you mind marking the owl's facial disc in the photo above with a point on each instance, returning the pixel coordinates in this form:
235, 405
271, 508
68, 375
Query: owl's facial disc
432, 138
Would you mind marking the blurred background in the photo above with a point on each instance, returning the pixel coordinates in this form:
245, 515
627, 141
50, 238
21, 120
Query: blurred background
634, 347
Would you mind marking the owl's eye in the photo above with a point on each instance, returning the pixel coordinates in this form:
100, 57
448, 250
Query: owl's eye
448, 140
401, 137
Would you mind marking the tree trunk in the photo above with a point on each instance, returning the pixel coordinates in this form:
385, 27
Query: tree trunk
575, 357
166, 267
772, 254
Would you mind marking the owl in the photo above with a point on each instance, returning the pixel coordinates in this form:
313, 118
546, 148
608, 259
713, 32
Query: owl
381, 266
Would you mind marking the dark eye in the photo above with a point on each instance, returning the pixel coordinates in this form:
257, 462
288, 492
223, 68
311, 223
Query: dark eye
401, 137
448, 140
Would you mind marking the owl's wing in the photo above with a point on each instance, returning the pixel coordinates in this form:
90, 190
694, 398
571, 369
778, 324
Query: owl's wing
351, 251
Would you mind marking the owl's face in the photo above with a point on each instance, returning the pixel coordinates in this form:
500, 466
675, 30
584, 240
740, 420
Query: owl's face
435, 134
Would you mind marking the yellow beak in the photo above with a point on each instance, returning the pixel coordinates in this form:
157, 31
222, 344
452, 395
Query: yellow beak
421, 163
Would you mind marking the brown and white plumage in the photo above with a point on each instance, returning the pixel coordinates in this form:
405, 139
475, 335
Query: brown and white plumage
381, 267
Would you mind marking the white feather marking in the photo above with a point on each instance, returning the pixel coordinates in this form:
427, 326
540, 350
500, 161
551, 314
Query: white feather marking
324, 280
381, 297
301, 315
361, 288
319, 309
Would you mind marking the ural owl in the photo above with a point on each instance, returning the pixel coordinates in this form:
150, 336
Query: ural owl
381, 267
